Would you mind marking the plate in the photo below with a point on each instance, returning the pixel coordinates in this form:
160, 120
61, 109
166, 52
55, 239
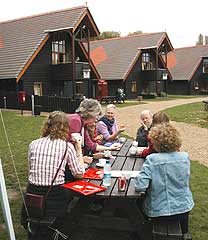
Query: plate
100, 165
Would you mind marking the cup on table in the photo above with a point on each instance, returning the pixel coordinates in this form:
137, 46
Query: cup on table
76, 137
102, 161
107, 153
122, 139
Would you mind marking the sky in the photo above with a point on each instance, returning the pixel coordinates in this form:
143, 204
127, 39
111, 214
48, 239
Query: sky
183, 20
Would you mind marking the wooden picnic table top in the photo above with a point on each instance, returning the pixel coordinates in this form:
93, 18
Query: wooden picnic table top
122, 161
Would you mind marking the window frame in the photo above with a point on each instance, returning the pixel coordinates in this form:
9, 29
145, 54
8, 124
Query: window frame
38, 88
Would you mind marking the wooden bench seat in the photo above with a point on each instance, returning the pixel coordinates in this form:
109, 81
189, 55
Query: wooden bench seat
167, 230
108, 99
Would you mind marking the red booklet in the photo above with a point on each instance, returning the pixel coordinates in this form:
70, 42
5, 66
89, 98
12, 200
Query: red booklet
85, 188
94, 173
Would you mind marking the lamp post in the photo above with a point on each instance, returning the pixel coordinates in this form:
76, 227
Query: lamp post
86, 75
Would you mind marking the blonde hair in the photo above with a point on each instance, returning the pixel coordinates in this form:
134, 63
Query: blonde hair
89, 108
56, 125
165, 138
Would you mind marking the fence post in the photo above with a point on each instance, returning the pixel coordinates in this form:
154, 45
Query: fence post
33, 104
5, 105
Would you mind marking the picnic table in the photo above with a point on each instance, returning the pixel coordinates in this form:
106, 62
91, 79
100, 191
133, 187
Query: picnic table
119, 210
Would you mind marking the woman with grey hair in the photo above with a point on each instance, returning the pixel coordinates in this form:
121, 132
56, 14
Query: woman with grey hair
87, 113
142, 132
107, 125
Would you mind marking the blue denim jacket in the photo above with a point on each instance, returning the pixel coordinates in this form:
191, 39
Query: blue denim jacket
165, 178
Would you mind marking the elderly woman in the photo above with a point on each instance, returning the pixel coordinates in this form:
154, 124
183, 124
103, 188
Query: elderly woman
87, 113
45, 156
142, 132
165, 178
107, 125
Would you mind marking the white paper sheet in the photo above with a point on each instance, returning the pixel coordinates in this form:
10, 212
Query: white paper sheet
130, 174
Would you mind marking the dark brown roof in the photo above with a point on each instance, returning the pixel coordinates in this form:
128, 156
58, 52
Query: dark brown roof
20, 38
183, 62
114, 57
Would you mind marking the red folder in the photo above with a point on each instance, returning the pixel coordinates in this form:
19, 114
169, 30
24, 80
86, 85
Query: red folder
85, 188
94, 173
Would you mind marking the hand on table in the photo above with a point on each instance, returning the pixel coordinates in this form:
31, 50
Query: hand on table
87, 159
98, 155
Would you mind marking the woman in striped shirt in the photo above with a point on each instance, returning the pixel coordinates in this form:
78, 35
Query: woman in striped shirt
45, 156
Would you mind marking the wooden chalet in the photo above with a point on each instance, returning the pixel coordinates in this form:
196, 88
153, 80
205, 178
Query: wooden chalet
189, 69
137, 63
45, 55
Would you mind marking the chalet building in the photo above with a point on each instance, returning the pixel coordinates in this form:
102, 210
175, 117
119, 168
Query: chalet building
137, 63
45, 55
189, 69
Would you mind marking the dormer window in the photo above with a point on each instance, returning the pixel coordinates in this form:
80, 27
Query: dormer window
145, 57
59, 52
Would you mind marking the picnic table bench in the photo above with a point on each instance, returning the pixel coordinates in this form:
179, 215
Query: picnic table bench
111, 99
108, 99
205, 105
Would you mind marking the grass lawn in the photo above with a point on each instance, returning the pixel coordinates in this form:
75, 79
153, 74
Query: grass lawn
192, 113
22, 130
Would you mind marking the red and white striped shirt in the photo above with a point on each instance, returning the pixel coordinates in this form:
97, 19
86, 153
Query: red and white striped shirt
45, 156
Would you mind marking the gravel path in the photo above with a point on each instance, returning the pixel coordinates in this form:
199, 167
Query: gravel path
195, 139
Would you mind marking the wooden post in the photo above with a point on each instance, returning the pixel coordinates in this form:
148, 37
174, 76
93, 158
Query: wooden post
156, 71
73, 68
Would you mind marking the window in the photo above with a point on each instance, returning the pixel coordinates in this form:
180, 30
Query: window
38, 89
145, 57
59, 52
133, 87
79, 87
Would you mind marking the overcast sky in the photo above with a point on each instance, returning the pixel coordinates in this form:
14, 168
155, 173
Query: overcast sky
183, 20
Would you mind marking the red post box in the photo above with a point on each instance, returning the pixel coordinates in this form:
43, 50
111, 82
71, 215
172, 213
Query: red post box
102, 89
22, 97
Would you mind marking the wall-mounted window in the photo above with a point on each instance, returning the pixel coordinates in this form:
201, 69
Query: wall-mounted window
79, 87
133, 87
59, 52
38, 90
145, 57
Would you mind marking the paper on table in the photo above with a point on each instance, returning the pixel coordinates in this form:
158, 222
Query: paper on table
118, 173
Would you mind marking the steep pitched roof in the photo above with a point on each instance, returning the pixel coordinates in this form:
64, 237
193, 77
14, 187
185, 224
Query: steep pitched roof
183, 62
21, 39
114, 57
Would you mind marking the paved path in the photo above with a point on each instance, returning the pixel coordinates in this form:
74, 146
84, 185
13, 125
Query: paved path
195, 139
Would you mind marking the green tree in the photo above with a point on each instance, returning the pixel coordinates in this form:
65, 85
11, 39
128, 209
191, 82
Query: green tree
134, 33
200, 40
109, 34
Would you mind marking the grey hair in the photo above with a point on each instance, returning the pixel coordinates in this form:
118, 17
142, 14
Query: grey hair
89, 108
146, 112
110, 106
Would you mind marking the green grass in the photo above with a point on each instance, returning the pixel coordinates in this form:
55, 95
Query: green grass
22, 130
173, 97
192, 113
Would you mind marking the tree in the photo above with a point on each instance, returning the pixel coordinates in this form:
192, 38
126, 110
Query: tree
200, 40
134, 33
109, 34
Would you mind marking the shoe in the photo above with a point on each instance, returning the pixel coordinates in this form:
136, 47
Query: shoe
187, 236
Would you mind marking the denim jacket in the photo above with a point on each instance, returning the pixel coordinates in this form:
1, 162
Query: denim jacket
165, 178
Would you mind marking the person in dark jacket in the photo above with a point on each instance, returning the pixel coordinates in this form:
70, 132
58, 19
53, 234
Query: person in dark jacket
142, 132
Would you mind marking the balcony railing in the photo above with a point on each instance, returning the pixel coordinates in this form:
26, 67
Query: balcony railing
147, 66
